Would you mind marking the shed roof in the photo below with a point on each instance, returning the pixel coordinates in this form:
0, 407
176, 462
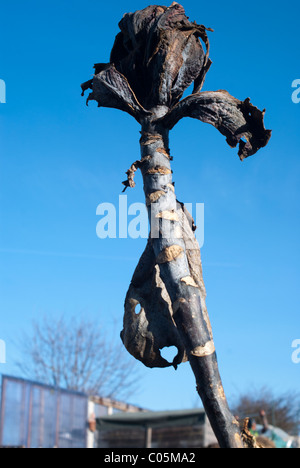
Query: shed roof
153, 419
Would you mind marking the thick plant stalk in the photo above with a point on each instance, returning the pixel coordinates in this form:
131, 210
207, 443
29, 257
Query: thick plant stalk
188, 304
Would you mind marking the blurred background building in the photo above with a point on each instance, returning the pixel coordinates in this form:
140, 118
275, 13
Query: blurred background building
34, 415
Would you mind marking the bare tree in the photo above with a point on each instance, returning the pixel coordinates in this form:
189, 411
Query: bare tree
282, 410
78, 355
157, 55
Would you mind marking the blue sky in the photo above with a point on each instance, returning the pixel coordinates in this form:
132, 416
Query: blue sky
59, 160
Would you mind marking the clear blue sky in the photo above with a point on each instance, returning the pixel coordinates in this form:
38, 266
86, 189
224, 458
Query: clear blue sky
59, 160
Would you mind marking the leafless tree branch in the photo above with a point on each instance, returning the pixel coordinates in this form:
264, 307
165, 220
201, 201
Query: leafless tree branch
78, 355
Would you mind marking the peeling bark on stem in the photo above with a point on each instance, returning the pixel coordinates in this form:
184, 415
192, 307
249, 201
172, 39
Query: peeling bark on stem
183, 285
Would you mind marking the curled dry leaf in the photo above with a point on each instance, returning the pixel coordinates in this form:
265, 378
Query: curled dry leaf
148, 324
159, 51
111, 89
240, 122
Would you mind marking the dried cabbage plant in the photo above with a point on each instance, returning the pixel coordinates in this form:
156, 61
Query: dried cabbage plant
157, 55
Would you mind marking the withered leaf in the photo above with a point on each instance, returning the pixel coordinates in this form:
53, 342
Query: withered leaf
150, 330
239, 121
111, 89
159, 52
